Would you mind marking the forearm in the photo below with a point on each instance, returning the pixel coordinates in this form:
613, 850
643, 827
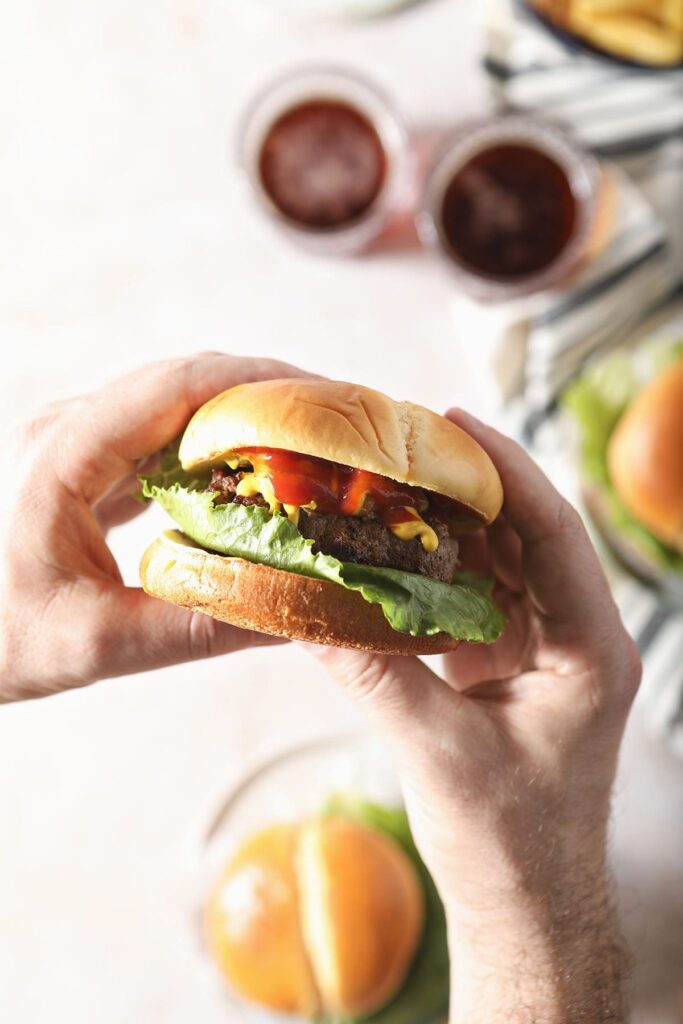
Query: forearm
556, 961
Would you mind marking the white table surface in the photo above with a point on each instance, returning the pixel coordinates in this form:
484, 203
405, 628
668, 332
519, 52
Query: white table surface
126, 237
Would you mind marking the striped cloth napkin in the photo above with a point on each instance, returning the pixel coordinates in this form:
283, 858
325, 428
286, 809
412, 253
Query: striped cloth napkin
655, 621
528, 351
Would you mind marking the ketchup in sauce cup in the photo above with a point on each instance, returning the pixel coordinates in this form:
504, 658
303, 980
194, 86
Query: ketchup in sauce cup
326, 157
511, 203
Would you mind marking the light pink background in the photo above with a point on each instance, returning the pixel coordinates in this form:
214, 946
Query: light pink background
126, 236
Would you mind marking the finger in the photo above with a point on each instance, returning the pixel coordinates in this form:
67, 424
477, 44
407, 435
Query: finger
116, 511
563, 576
129, 631
109, 431
513, 652
505, 552
407, 703
495, 551
474, 554
122, 503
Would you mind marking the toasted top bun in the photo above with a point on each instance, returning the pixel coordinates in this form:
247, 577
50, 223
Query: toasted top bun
645, 456
325, 916
252, 924
363, 913
349, 424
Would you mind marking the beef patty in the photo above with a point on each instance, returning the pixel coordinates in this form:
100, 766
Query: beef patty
366, 540
361, 539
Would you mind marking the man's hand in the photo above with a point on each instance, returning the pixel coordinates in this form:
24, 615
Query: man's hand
507, 763
65, 617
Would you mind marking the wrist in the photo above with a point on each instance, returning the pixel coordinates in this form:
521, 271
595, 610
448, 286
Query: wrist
555, 957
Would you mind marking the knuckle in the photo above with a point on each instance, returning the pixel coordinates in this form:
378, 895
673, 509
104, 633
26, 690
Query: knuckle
613, 689
208, 353
369, 677
567, 519
166, 369
189, 370
187, 363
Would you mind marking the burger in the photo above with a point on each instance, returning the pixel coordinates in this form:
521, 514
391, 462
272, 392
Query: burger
630, 412
332, 918
325, 511
645, 457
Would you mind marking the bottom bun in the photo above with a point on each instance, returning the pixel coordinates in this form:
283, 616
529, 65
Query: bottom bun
268, 600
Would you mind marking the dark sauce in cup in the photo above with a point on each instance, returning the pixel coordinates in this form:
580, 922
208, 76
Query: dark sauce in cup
322, 163
508, 212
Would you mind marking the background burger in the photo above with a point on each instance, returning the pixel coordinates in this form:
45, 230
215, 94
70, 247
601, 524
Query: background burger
333, 918
327, 512
630, 411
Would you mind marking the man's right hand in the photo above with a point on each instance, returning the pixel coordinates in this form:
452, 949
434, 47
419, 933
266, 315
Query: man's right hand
507, 762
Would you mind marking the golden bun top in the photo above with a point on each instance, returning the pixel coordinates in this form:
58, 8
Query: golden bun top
362, 913
645, 456
322, 916
252, 925
349, 424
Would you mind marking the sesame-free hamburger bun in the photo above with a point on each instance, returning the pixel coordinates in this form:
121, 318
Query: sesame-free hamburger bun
645, 456
319, 917
348, 424
319, 424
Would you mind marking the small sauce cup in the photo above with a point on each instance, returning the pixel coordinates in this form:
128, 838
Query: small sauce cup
325, 154
510, 203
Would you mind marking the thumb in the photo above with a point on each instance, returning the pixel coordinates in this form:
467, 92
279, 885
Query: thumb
411, 707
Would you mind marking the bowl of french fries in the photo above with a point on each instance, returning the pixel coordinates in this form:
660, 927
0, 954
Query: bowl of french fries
648, 33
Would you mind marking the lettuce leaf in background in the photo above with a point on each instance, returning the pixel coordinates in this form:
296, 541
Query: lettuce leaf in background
596, 400
423, 998
411, 603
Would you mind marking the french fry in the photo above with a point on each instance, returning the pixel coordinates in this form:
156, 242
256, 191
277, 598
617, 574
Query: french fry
549, 7
597, 8
632, 37
556, 10
672, 14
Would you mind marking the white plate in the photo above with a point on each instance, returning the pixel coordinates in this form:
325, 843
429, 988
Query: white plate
291, 786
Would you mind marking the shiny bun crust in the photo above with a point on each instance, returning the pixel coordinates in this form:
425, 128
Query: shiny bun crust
349, 424
645, 456
268, 600
362, 913
322, 917
257, 942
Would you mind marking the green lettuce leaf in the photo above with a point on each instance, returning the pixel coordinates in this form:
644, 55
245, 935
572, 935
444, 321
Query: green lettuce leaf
411, 603
596, 401
423, 997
